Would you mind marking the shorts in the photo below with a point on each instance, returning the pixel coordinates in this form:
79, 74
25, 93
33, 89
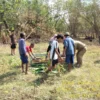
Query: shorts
13, 46
69, 59
54, 62
24, 59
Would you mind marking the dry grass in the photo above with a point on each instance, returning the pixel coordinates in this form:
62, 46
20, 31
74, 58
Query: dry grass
80, 84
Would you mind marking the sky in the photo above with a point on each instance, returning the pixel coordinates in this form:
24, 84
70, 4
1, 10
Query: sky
51, 2
86, 1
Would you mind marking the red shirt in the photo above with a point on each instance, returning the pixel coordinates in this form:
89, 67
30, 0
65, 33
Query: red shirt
28, 49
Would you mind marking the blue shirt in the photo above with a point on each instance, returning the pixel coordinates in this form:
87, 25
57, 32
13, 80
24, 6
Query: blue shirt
22, 46
69, 45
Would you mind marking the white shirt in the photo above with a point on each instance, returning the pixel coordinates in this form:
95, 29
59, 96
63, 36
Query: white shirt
54, 45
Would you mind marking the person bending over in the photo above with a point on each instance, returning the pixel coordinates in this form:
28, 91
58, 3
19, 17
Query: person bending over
29, 50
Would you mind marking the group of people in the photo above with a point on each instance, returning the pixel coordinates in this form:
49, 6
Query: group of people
53, 52
69, 49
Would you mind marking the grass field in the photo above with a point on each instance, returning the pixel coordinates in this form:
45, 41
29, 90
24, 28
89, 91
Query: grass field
79, 84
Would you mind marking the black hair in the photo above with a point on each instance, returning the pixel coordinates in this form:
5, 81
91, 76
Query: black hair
66, 35
22, 35
32, 43
59, 36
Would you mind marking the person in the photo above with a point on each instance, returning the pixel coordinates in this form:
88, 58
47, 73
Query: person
29, 50
54, 53
81, 49
23, 52
49, 47
13, 43
69, 50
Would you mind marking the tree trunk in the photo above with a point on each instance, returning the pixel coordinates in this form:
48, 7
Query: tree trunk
0, 28
5, 23
95, 26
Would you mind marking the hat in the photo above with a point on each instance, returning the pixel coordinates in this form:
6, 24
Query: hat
67, 33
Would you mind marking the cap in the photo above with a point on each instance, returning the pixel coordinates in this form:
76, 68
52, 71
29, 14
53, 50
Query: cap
67, 33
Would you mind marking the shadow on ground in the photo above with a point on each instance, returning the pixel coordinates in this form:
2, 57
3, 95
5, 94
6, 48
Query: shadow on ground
7, 77
40, 80
97, 62
71, 78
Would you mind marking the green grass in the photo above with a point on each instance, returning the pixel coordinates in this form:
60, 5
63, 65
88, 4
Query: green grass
79, 84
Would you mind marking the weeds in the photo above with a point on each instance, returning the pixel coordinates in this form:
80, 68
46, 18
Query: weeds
79, 84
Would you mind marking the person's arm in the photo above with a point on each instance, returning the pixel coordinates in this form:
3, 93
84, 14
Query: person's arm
30, 54
10, 40
56, 50
33, 55
48, 52
65, 47
74, 47
63, 53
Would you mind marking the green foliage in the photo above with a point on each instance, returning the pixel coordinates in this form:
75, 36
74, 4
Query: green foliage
75, 16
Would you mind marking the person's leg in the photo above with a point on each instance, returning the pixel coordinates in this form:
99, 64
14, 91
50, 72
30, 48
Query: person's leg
26, 62
77, 55
54, 63
14, 49
11, 51
49, 69
68, 61
26, 68
69, 67
22, 67
80, 56
79, 60
72, 61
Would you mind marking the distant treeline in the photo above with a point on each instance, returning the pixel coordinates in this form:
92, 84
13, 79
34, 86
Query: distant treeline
40, 19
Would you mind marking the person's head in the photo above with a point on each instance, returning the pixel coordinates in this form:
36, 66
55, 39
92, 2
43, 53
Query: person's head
60, 38
22, 35
66, 34
32, 45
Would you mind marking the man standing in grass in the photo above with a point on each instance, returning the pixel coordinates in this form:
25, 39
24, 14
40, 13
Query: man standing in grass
69, 50
54, 52
23, 52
